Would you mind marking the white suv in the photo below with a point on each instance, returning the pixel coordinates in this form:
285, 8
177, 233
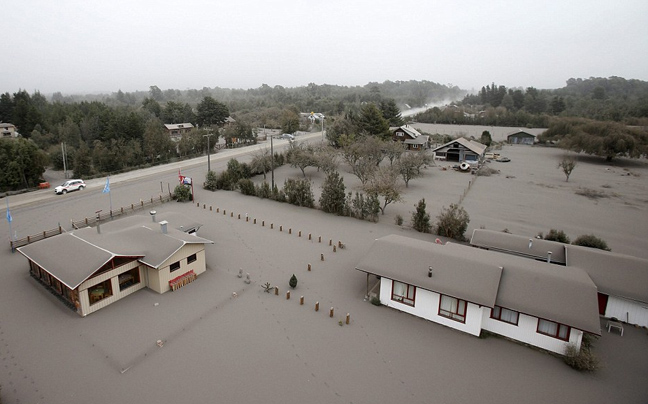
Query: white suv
69, 186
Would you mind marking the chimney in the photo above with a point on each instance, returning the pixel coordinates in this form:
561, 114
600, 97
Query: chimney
163, 226
549, 257
152, 213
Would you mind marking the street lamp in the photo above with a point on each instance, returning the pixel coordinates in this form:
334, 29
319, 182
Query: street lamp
208, 152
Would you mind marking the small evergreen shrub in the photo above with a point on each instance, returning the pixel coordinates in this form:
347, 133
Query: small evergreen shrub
182, 193
293, 281
583, 359
557, 235
246, 186
399, 220
376, 301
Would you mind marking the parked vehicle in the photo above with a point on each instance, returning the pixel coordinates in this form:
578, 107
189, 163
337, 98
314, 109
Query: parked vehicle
69, 186
288, 136
503, 159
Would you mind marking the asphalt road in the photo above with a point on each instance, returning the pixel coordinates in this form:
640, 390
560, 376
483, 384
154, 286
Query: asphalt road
41, 210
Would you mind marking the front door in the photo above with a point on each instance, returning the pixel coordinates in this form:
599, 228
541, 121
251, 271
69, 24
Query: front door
602, 301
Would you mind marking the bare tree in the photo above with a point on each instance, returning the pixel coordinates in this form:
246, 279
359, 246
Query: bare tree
410, 164
393, 151
261, 161
384, 184
567, 164
302, 156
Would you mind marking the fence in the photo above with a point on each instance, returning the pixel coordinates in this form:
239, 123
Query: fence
90, 221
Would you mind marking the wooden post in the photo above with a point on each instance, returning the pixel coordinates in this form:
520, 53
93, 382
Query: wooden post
276, 290
316, 306
321, 257
331, 312
300, 233
334, 249
231, 214
309, 267
255, 221
319, 240
263, 223
330, 242
301, 300
348, 318
272, 225
290, 230
309, 236
217, 210
280, 227
288, 295
224, 212
210, 208
239, 216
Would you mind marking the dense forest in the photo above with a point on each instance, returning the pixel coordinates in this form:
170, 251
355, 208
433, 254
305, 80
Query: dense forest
109, 133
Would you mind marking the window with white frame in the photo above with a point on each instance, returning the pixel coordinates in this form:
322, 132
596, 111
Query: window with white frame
403, 293
452, 308
553, 329
505, 315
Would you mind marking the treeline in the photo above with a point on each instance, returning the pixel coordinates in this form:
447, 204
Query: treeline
604, 99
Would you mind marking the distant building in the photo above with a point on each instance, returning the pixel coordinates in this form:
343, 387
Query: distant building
460, 150
410, 137
91, 268
8, 130
520, 137
176, 130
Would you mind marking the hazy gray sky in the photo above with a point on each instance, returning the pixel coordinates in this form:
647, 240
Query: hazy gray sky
103, 46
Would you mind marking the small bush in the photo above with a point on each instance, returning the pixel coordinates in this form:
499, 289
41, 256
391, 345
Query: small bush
263, 190
485, 171
399, 220
557, 235
182, 193
453, 222
583, 359
376, 301
590, 240
210, 182
246, 186
293, 281
591, 193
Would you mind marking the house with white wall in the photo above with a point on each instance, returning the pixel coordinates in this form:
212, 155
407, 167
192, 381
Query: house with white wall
90, 268
621, 280
475, 290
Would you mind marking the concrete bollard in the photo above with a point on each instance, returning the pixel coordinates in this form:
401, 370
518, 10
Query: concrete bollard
331, 312
309, 267
288, 295
301, 301
247, 279
321, 257
316, 306
348, 318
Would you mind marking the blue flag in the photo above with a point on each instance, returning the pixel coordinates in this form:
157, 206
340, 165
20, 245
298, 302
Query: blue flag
9, 218
107, 186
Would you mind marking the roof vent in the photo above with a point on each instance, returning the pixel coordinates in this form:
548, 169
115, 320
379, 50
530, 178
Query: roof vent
429, 272
549, 257
530, 243
152, 213
163, 226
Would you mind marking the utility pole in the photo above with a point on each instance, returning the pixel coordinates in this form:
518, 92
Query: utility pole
272, 162
208, 152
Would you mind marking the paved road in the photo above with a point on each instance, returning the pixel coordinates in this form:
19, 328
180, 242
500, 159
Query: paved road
41, 210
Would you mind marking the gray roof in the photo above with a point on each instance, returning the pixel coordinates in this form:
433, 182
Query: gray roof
413, 133
614, 274
423, 139
521, 132
472, 145
407, 260
171, 126
529, 247
557, 293
75, 256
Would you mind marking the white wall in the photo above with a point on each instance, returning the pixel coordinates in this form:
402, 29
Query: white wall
159, 281
426, 305
629, 311
525, 332
113, 275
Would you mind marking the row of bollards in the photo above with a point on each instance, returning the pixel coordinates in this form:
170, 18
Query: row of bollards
247, 219
317, 305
